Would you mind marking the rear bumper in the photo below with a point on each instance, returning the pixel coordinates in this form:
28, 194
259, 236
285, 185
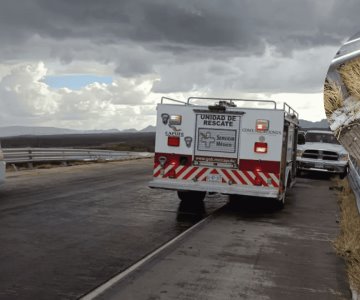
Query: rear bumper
321, 165
186, 185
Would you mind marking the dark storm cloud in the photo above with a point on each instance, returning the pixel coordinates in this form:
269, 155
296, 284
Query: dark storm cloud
186, 44
242, 25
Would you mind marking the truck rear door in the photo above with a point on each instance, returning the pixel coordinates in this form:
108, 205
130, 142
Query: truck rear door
217, 139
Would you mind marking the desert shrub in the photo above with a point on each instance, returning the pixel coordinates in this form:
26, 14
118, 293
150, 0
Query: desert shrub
350, 74
332, 98
347, 243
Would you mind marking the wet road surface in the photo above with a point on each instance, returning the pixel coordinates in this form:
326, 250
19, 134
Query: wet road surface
248, 250
64, 231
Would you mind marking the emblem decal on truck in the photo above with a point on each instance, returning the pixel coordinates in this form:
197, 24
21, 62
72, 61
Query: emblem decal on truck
207, 139
188, 141
165, 118
216, 140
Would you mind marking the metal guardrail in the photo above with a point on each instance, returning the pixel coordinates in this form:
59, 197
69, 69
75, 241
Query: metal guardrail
348, 51
354, 179
32, 155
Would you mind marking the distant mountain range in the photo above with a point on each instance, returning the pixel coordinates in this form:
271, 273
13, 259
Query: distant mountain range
320, 124
23, 130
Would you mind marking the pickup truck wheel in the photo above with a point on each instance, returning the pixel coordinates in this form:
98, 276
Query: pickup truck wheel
280, 204
344, 174
191, 195
298, 173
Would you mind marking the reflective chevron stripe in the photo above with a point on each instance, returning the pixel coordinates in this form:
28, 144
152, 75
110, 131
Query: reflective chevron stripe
239, 177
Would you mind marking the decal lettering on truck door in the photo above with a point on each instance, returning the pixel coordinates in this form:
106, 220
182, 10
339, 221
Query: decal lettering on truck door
217, 133
217, 140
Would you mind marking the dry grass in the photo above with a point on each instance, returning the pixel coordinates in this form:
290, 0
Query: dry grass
347, 244
332, 98
350, 74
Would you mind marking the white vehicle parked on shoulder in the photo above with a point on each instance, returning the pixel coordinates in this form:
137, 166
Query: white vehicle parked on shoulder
2, 166
323, 153
249, 149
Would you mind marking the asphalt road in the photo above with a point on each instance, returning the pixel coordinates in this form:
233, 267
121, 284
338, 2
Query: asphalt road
64, 231
250, 251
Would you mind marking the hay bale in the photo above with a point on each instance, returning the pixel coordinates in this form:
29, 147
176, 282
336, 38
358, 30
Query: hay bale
350, 74
333, 99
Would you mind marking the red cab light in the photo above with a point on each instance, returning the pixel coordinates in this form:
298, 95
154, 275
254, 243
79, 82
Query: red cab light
173, 141
261, 147
262, 125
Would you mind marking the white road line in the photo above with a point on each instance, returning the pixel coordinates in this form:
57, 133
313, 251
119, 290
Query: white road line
102, 288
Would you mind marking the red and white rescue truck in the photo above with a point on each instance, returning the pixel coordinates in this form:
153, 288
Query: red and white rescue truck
225, 148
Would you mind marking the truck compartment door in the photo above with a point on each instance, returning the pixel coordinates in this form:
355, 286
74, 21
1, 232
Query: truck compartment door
217, 139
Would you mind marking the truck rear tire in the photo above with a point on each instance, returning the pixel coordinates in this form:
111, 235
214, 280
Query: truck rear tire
281, 202
191, 195
344, 174
299, 172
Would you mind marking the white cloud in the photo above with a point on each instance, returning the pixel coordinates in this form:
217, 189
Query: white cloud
126, 103
22, 94
310, 106
26, 100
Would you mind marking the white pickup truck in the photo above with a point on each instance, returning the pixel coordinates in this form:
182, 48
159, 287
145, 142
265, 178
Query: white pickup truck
323, 153
2, 166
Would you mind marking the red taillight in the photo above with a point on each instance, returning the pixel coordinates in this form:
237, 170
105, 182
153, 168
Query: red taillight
262, 125
261, 147
173, 141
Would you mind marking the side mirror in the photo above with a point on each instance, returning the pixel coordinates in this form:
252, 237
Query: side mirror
301, 139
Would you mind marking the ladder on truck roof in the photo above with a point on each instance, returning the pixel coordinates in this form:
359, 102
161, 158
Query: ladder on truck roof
290, 113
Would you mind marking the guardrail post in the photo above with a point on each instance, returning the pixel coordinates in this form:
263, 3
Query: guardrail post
350, 138
30, 164
354, 179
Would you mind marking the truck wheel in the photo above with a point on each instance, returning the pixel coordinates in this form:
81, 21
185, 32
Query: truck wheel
281, 201
344, 174
280, 204
191, 195
298, 173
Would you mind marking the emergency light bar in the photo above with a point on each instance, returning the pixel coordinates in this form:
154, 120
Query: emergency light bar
175, 120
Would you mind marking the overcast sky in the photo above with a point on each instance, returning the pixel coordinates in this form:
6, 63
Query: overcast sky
105, 64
